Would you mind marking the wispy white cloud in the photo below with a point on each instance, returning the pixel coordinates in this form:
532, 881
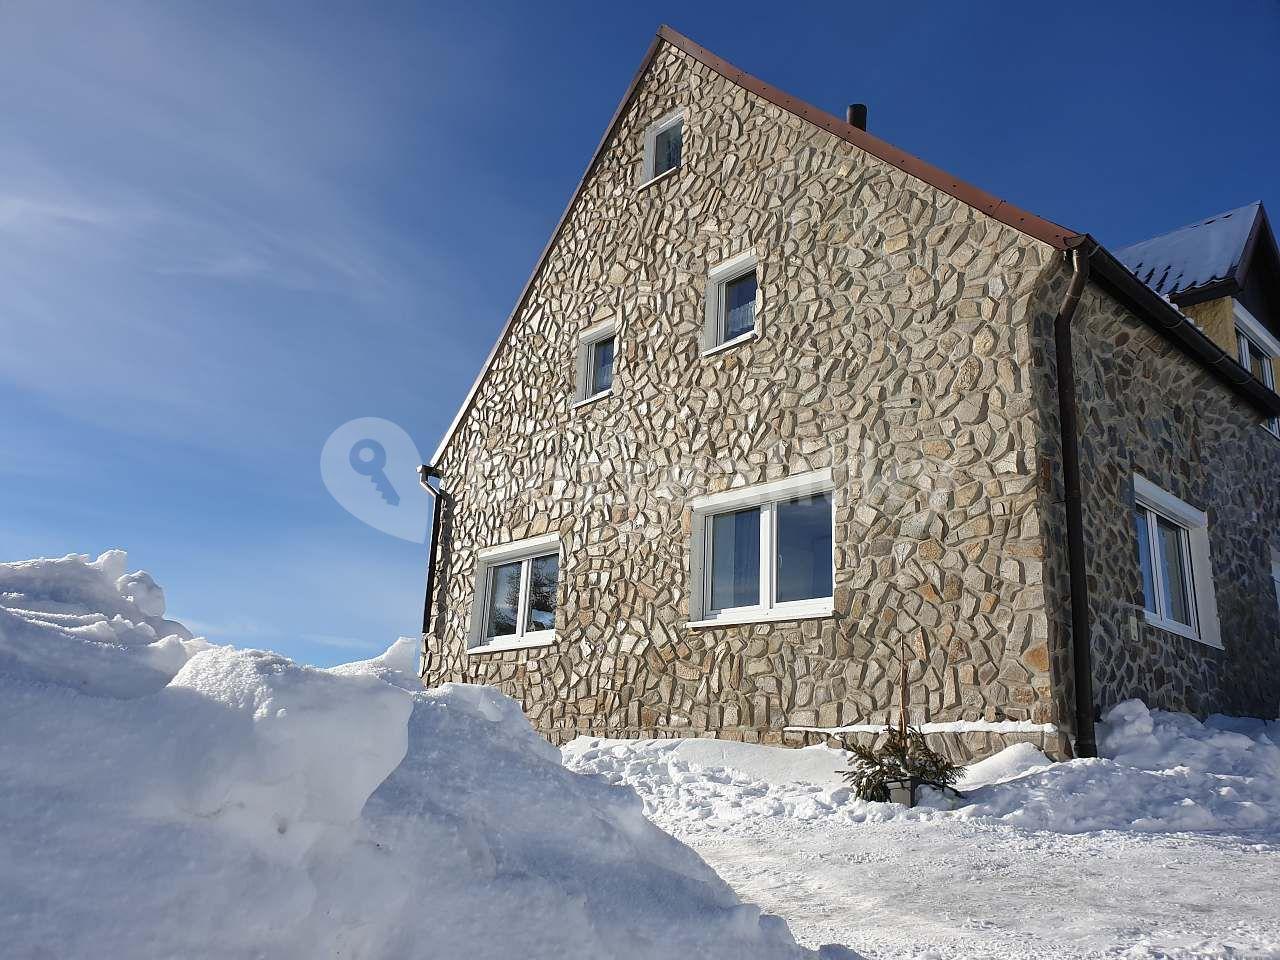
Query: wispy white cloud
178, 188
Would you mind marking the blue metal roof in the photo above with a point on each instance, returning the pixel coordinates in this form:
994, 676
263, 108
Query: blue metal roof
1194, 255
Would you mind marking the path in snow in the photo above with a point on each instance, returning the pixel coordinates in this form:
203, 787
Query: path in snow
1085, 859
965, 889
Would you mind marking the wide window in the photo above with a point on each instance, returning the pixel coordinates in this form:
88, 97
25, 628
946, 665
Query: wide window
764, 553
663, 145
596, 351
1257, 351
516, 595
733, 296
1173, 555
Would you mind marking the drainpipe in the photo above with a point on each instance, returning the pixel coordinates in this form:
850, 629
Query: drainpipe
1082, 661
426, 473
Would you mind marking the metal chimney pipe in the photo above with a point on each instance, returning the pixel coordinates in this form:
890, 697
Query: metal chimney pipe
856, 115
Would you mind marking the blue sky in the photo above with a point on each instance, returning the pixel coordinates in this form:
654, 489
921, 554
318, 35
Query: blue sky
226, 229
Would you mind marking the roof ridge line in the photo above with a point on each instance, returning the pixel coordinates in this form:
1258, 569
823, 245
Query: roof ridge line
1007, 213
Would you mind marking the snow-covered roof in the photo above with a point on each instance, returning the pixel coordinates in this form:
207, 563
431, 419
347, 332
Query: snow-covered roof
1195, 255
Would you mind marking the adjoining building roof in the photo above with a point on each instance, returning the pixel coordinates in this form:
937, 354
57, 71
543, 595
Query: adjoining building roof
1200, 255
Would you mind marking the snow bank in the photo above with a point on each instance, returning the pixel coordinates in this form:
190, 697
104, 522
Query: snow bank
1161, 772
88, 624
163, 798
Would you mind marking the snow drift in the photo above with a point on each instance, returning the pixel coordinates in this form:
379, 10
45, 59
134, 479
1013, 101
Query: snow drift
1160, 772
161, 798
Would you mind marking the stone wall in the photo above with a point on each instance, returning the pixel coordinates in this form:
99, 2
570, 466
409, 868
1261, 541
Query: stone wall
895, 349
1145, 407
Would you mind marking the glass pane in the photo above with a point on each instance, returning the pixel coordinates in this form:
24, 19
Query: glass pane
735, 559
1173, 569
601, 366
804, 548
666, 148
1259, 363
740, 305
1140, 520
543, 574
504, 599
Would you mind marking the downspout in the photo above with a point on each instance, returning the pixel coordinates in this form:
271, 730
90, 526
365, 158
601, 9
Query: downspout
425, 474
1082, 660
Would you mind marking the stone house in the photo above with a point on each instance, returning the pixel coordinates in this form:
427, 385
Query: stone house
782, 406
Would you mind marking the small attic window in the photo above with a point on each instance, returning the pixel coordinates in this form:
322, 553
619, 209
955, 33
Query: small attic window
663, 143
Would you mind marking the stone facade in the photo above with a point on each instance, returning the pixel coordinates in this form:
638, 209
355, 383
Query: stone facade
903, 345
1147, 408
894, 349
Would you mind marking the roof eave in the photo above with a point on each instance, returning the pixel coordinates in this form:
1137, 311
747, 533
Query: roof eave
1168, 320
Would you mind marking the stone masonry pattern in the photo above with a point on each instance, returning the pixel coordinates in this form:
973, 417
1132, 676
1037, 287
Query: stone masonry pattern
906, 343
895, 348
1146, 408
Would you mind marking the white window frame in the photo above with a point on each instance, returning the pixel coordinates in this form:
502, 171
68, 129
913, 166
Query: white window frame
718, 278
1194, 523
766, 497
587, 342
1251, 335
651, 143
487, 560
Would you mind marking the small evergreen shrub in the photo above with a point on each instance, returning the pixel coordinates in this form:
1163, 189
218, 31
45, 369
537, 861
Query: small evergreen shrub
903, 755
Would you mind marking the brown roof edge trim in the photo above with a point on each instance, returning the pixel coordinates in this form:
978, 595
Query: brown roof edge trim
555, 235
1260, 223
1167, 319
1044, 230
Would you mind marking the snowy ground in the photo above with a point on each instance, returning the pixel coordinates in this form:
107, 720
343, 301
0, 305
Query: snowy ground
162, 798
1169, 849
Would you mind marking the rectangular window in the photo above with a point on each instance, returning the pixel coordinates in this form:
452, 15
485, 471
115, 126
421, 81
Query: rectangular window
1173, 556
601, 365
1257, 352
735, 559
740, 305
667, 149
1166, 567
516, 595
764, 553
597, 351
733, 296
663, 146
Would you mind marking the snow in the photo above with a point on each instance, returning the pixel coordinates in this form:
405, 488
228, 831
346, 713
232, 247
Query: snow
89, 625
161, 797
945, 726
1167, 846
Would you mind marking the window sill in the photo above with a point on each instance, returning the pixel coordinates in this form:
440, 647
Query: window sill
586, 401
652, 180
528, 643
730, 344
1179, 629
746, 617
